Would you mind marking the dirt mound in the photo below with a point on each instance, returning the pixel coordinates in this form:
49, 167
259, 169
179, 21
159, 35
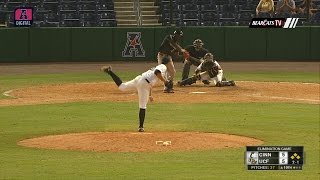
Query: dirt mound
197, 93
140, 142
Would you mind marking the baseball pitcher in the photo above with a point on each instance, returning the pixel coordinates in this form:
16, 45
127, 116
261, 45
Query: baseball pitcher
143, 85
208, 71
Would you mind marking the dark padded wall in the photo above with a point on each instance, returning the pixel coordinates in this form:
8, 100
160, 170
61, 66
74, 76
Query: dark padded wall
50, 44
288, 44
107, 44
315, 43
14, 45
91, 44
245, 44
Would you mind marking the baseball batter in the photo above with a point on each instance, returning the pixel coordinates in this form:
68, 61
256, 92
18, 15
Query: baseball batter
170, 48
208, 71
197, 52
142, 84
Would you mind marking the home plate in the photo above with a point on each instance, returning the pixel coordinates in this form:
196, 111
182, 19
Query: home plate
141, 133
198, 92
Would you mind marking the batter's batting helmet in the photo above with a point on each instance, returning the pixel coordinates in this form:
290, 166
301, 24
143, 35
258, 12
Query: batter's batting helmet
178, 33
165, 60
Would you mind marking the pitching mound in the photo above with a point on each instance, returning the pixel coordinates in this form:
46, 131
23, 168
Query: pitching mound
140, 142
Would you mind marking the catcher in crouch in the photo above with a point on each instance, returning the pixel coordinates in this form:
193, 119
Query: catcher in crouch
208, 71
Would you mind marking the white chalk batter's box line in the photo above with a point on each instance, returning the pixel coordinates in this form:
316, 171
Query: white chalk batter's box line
284, 82
7, 93
165, 143
279, 97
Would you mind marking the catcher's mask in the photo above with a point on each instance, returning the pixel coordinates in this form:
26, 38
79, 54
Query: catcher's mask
208, 57
197, 44
165, 60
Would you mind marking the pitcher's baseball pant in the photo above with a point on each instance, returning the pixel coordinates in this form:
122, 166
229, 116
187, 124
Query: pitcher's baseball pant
142, 86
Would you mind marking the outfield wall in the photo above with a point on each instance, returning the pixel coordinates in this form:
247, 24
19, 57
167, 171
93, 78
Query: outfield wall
106, 44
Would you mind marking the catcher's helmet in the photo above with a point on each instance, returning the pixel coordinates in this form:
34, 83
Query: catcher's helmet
198, 43
177, 33
208, 57
165, 60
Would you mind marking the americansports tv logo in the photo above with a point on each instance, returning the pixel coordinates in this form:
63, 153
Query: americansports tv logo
274, 23
133, 46
23, 16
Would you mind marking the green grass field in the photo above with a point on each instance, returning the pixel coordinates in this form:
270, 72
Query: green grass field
274, 123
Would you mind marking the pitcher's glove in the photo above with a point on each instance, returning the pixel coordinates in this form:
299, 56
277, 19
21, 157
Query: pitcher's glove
169, 84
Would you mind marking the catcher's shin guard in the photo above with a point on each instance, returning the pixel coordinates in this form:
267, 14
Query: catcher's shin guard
206, 82
226, 83
188, 81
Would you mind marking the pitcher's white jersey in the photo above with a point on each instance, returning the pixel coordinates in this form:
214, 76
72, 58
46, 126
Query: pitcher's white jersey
151, 77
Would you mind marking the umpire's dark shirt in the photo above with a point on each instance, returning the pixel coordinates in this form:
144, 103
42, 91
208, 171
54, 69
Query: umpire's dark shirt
165, 47
196, 54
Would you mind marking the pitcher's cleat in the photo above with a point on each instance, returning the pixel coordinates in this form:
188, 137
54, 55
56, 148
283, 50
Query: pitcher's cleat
106, 69
168, 91
141, 129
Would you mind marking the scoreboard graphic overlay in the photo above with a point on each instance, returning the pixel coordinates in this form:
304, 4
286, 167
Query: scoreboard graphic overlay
274, 157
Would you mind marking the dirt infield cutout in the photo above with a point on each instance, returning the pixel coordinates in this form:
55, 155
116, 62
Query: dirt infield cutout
245, 91
139, 142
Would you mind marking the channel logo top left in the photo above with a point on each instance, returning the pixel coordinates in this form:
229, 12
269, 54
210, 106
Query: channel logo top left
23, 16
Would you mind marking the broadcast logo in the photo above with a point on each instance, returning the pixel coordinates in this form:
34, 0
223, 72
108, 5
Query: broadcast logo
274, 23
23, 16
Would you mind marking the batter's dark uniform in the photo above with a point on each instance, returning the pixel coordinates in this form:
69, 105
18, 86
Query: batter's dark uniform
170, 48
195, 56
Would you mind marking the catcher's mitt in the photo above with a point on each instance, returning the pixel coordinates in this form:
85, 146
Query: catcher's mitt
169, 84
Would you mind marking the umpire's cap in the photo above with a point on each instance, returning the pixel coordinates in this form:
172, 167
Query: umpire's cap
178, 33
198, 43
165, 59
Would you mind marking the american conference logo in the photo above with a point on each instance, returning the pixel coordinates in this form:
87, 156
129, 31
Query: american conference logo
23, 16
274, 23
